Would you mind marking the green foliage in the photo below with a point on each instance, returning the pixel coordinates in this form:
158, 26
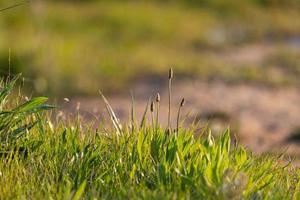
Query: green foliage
74, 161
15, 122
143, 164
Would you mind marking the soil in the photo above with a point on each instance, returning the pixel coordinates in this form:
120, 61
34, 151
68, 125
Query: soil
265, 119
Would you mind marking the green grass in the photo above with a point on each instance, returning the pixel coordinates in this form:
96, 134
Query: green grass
76, 47
71, 160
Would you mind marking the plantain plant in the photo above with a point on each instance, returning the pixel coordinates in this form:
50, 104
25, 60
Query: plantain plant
16, 121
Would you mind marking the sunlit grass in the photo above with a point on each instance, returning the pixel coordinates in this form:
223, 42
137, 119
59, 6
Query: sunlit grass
61, 160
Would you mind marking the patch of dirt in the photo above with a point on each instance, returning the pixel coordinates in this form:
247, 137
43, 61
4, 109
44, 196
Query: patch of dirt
263, 116
249, 54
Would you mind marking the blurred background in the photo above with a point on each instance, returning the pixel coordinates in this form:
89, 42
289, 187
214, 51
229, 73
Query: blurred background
236, 62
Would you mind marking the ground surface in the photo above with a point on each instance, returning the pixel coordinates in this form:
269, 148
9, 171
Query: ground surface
265, 117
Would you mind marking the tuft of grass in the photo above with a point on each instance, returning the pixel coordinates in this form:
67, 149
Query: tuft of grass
15, 122
75, 161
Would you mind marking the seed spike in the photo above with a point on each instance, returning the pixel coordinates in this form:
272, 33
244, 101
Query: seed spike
182, 102
152, 106
157, 99
171, 74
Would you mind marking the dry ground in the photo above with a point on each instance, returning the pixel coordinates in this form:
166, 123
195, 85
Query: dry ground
264, 117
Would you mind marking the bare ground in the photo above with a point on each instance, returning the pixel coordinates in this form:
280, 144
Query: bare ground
265, 118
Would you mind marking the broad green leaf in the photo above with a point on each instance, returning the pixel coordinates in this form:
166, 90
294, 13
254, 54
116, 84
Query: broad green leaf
32, 105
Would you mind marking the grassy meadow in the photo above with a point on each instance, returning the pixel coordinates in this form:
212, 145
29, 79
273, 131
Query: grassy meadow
76, 47
66, 48
42, 158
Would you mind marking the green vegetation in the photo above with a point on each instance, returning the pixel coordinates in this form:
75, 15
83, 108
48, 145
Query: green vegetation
74, 47
78, 46
73, 161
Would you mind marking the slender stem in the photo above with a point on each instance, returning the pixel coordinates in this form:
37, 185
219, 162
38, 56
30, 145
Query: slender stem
153, 121
170, 96
178, 115
170, 99
133, 117
178, 119
9, 64
152, 114
14, 6
157, 99
157, 116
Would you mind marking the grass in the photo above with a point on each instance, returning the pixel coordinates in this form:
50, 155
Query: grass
63, 46
72, 160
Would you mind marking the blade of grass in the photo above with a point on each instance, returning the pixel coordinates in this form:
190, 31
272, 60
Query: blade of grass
112, 115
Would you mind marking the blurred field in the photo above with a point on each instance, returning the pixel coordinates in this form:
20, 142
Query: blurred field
77, 47
236, 63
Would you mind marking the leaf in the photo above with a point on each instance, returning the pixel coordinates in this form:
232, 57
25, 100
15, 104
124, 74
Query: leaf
155, 148
225, 140
208, 175
143, 121
17, 133
6, 90
171, 151
140, 144
32, 105
132, 172
80, 191
64, 136
162, 173
296, 194
112, 115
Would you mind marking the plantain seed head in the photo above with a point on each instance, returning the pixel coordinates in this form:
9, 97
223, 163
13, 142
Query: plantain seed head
170, 73
182, 102
152, 107
157, 98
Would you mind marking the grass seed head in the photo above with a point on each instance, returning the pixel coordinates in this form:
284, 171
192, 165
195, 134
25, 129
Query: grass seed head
182, 102
171, 73
66, 99
152, 106
157, 97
